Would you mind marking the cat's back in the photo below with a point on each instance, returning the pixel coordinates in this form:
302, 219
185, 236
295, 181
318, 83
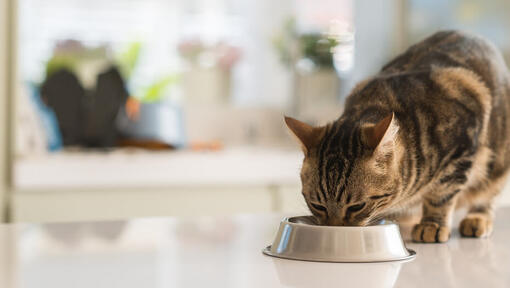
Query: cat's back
452, 49
460, 81
435, 70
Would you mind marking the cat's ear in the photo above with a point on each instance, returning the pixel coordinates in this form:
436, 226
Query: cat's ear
307, 135
382, 133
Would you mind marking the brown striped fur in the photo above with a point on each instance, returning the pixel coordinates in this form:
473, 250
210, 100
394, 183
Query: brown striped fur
432, 128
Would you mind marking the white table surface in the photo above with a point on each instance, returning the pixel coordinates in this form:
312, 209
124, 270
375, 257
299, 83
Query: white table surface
226, 252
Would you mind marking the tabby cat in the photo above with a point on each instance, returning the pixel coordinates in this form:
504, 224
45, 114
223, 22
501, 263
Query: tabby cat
432, 128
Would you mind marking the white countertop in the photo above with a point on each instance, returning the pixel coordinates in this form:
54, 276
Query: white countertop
233, 166
226, 252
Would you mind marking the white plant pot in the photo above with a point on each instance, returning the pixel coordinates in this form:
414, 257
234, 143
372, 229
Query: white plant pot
203, 85
316, 89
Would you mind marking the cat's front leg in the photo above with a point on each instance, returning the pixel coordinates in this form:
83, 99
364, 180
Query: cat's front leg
438, 208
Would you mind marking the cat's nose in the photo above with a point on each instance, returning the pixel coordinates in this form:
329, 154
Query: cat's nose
334, 221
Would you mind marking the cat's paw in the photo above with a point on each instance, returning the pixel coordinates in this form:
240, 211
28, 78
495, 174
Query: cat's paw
476, 226
430, 232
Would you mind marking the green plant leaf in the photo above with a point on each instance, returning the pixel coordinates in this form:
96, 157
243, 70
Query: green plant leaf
57, 63
156, 91
128, 59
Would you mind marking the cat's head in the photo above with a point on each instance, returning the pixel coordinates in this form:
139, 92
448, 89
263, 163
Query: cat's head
351, 169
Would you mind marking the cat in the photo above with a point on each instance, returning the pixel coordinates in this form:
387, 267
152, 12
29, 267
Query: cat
431, 128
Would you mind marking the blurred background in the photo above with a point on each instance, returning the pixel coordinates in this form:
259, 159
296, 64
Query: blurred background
139, 108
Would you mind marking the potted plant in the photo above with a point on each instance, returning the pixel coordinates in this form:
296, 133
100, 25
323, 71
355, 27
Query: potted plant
311, 57
207, 75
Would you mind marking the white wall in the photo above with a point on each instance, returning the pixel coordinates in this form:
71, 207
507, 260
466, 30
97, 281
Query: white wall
378, 36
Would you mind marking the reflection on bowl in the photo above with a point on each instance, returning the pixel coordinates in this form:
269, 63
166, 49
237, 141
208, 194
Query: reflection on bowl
300, 238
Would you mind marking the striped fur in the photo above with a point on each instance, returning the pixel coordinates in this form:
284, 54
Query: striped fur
446, 100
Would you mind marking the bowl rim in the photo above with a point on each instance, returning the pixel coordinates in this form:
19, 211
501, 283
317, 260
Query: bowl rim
286, 220
412, 254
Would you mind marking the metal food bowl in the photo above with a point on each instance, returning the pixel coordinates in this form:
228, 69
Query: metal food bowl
300, 238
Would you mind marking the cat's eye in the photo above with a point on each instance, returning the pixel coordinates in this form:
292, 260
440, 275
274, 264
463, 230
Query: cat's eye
356, 208
319, 207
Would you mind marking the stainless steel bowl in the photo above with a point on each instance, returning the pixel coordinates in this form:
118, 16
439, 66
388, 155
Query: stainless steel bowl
300, 238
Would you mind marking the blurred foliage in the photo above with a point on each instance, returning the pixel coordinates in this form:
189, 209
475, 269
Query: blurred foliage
127, 60
292, 46
317, 48
157, 91
72, 54
285, 42
56, 63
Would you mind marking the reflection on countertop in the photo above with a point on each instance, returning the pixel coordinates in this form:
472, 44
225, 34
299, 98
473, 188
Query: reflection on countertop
226, 252
313, 274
